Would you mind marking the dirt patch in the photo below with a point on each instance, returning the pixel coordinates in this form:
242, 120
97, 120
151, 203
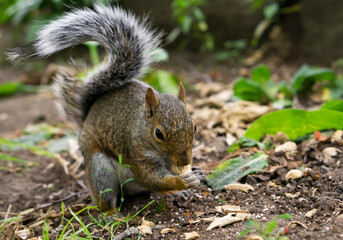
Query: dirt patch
46, 185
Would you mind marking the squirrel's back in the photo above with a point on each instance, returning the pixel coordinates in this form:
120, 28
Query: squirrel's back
128, 43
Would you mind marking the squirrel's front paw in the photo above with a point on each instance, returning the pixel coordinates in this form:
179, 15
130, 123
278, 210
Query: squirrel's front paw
191, 179
200, 173
183, 194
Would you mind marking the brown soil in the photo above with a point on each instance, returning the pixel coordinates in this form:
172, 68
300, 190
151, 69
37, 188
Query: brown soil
46, 184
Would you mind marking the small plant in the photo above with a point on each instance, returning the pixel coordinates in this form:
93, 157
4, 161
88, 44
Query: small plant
191, 19
160, 205
248, 142
267, 230
261, 89
121, 165
272, 9
232, 50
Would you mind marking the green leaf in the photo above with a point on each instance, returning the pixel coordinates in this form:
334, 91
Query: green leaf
105, 191
120, 159
234, 169
186, 24
234, 147
285, 216
248, 142
271, 10
163, 81
173, 35
160, 55
249, 91
128, 180
126, 165
283, 88
259, 30
198, 14
9, 88
261, 75
294, 123
306, 76
271, 226
336, 105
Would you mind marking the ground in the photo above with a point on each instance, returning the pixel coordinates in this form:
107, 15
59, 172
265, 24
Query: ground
46, 184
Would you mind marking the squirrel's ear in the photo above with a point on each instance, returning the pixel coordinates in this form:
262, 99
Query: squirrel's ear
151, 101
182, 92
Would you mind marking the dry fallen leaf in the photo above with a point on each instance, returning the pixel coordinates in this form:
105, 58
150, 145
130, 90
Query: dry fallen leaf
228, 219
290, 195
273, 184
254, 237
293, 174
145, 227
239, 186
337, 137
310, 213
167, 230
328, 154
287, 147
229, 209
23, 233
191, 235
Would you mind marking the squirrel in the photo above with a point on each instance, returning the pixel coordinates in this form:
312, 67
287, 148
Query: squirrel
116, 113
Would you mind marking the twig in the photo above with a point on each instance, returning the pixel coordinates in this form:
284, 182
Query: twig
126, 233
8, 211
58, 201
81, 184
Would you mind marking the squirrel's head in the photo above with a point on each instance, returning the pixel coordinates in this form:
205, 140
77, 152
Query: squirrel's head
171, 126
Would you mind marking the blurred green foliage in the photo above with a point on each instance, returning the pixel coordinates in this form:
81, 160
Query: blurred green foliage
261, 89
191, 23
232, 50
272, 9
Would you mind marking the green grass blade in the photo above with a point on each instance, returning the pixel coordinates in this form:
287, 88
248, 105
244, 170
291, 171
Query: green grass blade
85, 229
14, 159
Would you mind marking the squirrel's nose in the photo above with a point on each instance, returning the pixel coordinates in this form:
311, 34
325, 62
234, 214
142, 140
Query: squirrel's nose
186, 157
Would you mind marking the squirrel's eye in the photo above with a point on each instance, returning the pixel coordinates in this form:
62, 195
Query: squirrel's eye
159, 134
195, 128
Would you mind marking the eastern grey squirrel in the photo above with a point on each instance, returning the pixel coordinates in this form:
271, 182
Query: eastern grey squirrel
116, 113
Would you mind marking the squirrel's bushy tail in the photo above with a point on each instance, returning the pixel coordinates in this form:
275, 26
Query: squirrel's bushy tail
128, 43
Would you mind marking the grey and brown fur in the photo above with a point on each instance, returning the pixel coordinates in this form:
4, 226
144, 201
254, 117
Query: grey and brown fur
116, 113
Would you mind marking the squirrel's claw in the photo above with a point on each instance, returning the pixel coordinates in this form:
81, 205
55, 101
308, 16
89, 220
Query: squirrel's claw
191, 179
200, 173
184, 194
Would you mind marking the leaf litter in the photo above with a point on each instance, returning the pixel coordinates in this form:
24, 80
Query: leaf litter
319, 188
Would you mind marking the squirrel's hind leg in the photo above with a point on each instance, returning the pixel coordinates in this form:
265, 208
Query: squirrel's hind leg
101, 176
